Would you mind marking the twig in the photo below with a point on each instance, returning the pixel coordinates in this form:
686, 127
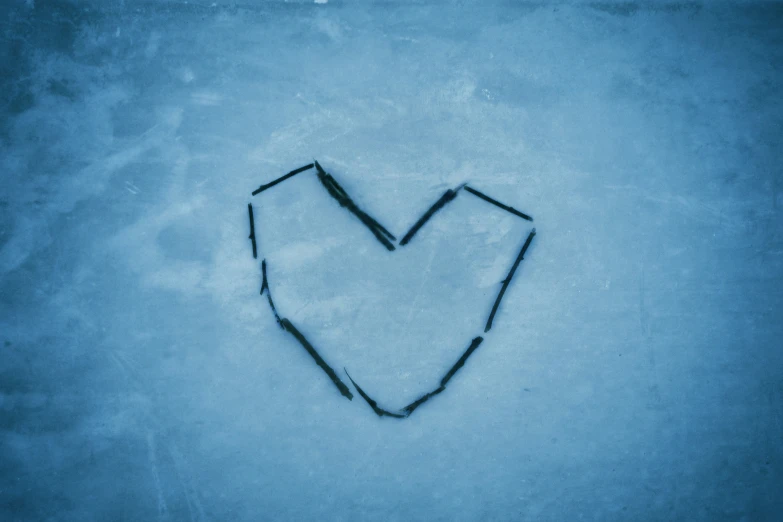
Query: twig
507, 280
461, 362
498, 203
318, 359
449, 195
252, 235
372, 221
380, 412
337, 192
282, 178
265, 286
421, 400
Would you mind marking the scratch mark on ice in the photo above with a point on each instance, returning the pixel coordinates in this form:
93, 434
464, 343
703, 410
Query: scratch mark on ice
152, 454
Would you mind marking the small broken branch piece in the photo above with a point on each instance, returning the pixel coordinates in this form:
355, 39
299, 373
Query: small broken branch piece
448, 196
317, 358
252, 235
374, 405
498, 203
265, 286
339, 194
281, 179
507, 280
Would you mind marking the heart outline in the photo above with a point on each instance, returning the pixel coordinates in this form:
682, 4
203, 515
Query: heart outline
384, 237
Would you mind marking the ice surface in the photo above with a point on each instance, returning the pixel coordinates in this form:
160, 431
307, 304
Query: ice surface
633, 369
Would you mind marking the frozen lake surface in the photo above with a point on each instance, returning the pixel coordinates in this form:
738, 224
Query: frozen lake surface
633, 369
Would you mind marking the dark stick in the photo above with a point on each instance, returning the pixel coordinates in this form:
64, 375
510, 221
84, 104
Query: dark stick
421, 400
342, 196
282, 178
507, 280
318, 359
498, 203
252, 235
380, 412
427, 396
449, 195
265, 286
374, 223
336, 185
264, 282
347, 203
472, 348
